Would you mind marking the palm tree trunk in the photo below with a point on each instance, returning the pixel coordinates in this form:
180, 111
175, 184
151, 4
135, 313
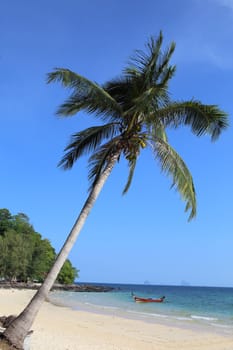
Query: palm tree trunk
19, 328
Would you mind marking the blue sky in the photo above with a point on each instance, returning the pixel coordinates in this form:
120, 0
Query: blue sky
145, 234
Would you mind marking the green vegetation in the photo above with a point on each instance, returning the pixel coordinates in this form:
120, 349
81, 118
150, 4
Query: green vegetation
25, 255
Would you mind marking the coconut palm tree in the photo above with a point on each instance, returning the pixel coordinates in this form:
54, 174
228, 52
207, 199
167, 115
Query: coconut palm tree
135, 111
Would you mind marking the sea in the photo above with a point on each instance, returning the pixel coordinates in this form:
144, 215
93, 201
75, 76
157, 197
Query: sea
203, 308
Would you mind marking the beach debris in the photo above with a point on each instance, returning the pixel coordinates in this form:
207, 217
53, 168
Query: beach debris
6, 320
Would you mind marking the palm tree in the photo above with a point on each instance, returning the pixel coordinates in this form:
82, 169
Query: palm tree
135, 110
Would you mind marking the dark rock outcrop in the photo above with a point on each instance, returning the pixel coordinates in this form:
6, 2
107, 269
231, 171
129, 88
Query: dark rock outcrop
70, 287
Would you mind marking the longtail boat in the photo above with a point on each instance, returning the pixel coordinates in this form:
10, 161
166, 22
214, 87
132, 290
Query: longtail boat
148, 300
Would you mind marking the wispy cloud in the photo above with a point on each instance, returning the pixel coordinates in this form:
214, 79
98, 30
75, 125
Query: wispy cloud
203, 52
222, 3
219, 59
208, 34
225, 3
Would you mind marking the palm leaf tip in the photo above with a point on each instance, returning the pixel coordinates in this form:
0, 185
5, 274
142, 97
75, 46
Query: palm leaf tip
67, 161
213, 122
188, 195
85, 95
59, 74
173, 166
192, 214
219, 124
203, 119
191, 203
132, 165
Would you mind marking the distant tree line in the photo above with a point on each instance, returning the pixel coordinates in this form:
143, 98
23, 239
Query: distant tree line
24, 254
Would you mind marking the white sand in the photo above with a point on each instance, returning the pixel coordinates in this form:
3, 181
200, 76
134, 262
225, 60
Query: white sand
59, 328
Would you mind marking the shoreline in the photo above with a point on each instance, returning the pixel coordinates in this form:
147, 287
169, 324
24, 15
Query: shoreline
154, 319
121, 305
62, 328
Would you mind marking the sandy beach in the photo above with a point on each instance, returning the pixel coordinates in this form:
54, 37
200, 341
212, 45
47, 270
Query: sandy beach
60, 328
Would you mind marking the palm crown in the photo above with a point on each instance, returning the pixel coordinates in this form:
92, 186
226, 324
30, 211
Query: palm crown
136, 109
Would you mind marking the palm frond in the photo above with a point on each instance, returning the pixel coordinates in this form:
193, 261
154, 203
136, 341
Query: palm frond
172, 164
203, 119
133, 98
163, 68
132, 165
85, 142
122, 90
165, 75
140, 59
152, 66
145, 80
156, 130
86, 95
146, 59
149, 100
99, 160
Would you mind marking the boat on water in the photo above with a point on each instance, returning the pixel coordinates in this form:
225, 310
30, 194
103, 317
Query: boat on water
148, 300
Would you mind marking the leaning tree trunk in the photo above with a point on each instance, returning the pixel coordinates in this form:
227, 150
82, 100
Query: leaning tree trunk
19, 328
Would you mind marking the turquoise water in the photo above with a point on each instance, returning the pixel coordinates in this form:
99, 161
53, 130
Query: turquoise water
204, 307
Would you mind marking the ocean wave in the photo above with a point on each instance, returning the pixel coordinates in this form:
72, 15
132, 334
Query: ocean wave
182, 318
145, 314
105, 307
225, 326
204, 318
